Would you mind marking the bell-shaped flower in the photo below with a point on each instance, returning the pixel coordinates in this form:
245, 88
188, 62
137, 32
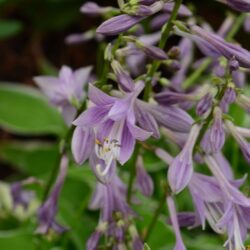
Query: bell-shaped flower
114, 122
181, 169
65, 91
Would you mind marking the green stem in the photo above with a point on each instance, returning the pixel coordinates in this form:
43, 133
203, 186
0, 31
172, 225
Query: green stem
197, 73
237, 25
164, 38
155, 218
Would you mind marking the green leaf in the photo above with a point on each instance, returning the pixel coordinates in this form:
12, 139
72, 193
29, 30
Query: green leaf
16, 239
9, 28
24, 110
33, 158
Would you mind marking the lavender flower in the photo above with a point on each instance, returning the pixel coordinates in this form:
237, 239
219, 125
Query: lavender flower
204, 104
217, 133
215, 46
179, 245
114, 122
93, 9
228, 98
181, 169
48, 210
20, 197
66, 90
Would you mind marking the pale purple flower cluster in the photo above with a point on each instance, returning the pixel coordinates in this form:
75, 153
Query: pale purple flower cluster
120, 122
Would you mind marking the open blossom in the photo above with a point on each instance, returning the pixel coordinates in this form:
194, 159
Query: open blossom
114, 122
181, 169
66, 90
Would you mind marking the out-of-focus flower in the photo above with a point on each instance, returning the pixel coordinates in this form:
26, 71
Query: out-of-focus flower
65, 91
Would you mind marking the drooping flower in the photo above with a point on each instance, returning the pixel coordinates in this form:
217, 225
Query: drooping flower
181, 169
179, 245
65, 91
48, 210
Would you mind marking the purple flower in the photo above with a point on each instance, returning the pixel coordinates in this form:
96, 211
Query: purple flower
230, 192
144, 181
181, 169
228, 98
215, 46
179, 245
20, 197
93, 9
123, 77
118, 24
115, 127
204, 104
66, 90
236, 222
93, 240
115, 212
168, 97
217, 133
48, 210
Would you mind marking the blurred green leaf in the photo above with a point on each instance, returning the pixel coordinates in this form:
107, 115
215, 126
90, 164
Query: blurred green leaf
34, 158
24, 110
9, 28
16, 239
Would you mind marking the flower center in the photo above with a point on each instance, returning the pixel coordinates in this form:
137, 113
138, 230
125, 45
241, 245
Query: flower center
107, 151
